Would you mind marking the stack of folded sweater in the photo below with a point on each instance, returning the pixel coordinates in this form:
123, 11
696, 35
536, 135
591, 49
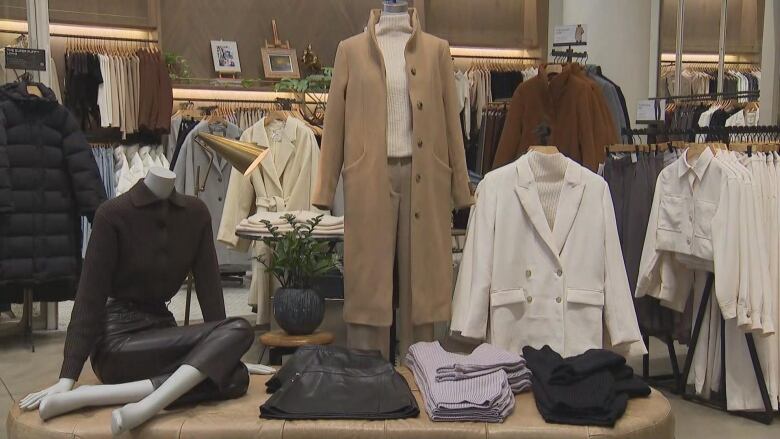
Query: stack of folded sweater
592, 388
475, 387
329, 225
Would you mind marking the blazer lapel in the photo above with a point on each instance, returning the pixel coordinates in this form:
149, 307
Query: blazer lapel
529, 198
568, 205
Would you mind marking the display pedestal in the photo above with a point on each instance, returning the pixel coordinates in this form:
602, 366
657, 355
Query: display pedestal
645, 418
279, 343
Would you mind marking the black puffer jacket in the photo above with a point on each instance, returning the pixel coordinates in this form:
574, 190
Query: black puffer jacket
48, 180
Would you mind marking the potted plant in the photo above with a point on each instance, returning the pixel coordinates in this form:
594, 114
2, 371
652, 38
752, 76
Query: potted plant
296, 259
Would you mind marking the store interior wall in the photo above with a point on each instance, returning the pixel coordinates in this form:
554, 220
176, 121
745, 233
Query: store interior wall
126, 13
619, 40
770, 66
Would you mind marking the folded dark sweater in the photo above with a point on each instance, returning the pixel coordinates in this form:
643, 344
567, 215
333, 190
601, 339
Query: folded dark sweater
588, 389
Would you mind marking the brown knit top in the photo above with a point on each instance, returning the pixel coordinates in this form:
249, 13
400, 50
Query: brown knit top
141, 249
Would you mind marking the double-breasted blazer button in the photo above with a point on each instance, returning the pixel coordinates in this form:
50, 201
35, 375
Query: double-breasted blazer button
417, 215
559, 272
419, 105
558, 299
419, 143
529, 299
418, 178
414, 71
527, 273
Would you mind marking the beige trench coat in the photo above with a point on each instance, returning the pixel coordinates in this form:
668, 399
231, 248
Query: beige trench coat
283, 182
355, 139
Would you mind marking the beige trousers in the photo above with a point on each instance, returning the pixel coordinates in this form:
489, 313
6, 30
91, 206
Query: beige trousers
378, 337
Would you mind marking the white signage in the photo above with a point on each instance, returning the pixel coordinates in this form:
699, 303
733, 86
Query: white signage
571, 34
651, 110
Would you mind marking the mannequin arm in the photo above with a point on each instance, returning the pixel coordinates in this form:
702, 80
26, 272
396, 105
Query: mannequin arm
33, 400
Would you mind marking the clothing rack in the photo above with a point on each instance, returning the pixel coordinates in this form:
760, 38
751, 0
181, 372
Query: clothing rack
710, 96
569, 54
87, 37
509, 57
764, 417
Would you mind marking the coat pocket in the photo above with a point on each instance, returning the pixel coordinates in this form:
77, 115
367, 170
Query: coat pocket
507, 297
585, 297
671, 213
702, 224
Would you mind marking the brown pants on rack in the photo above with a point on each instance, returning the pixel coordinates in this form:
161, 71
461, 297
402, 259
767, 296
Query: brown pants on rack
378, 337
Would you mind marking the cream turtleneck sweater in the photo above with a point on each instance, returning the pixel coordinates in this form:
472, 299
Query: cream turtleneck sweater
392, 33
549, 171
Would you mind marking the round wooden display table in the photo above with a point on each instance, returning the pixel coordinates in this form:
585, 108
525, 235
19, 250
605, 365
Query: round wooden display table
279, 343
645, 418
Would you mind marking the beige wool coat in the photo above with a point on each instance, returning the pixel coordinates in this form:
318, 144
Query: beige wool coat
355, 140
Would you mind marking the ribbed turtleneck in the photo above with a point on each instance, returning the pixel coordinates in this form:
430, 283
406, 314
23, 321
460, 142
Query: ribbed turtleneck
549, 171
392, 33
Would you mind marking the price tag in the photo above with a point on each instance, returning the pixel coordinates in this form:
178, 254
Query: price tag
574, 34
650, 110
20, 58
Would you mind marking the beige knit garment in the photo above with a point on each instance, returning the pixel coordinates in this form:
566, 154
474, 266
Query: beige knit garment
392, 33
548, 170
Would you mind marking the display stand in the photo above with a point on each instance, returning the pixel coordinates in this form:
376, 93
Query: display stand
765, 417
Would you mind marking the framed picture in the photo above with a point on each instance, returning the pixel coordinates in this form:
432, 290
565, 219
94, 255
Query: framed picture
280, 63
225, 55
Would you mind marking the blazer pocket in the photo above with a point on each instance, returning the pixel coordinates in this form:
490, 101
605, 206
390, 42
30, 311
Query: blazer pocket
507, 297
585, 297
703, 213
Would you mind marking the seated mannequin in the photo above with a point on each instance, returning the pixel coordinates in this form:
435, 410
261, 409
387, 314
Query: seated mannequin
143, 245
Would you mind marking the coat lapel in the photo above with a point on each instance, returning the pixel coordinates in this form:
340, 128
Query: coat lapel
273, 184
568, 205
285, 150
529, 198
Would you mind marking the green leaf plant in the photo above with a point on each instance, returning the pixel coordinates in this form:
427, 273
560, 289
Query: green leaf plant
296, 257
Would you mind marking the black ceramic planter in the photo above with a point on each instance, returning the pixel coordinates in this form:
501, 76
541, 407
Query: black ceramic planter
298, 311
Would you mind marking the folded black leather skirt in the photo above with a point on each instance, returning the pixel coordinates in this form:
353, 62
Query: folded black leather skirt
327, 382
142, 341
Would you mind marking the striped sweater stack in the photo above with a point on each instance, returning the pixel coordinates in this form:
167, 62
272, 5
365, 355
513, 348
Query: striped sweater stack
476, 387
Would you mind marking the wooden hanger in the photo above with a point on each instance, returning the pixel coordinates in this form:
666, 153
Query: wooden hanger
276, 115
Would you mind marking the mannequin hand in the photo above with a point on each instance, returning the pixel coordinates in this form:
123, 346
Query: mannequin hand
33, 400
259, 369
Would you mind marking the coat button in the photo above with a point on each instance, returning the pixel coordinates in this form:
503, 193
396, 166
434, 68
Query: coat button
559, 272
558, 300
219, 198
748, 314
417, 215
527, 273
414, 71
418, 178
419, 143
219, 179
529, 299
419, 105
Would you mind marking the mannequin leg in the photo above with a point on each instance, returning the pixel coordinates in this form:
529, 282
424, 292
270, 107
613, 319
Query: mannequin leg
407, 332
132, 415
91, 396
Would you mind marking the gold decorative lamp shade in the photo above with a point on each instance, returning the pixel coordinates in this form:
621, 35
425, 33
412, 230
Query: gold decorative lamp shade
244, 156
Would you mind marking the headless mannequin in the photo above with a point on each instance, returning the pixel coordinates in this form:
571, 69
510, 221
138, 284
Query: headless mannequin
141, 399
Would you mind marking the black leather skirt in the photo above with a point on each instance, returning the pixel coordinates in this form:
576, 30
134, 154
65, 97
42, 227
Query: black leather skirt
327, 382
142, 341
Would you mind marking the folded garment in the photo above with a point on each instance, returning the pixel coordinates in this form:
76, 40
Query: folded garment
328, 382
301, 216
262, 230
484, 395
588, 389
485, 359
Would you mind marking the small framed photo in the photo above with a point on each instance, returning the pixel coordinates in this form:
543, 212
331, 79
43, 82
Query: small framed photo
225, 55
280, 63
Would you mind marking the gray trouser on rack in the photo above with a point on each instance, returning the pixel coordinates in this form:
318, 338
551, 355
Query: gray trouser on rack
140, 344
378, 337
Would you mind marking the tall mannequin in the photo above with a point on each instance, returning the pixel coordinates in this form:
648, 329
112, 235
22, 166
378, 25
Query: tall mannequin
166, 364
402, 177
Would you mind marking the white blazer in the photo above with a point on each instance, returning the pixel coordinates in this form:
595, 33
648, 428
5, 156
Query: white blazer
522, 284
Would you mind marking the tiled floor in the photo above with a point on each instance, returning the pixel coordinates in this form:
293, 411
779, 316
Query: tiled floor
22, 372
